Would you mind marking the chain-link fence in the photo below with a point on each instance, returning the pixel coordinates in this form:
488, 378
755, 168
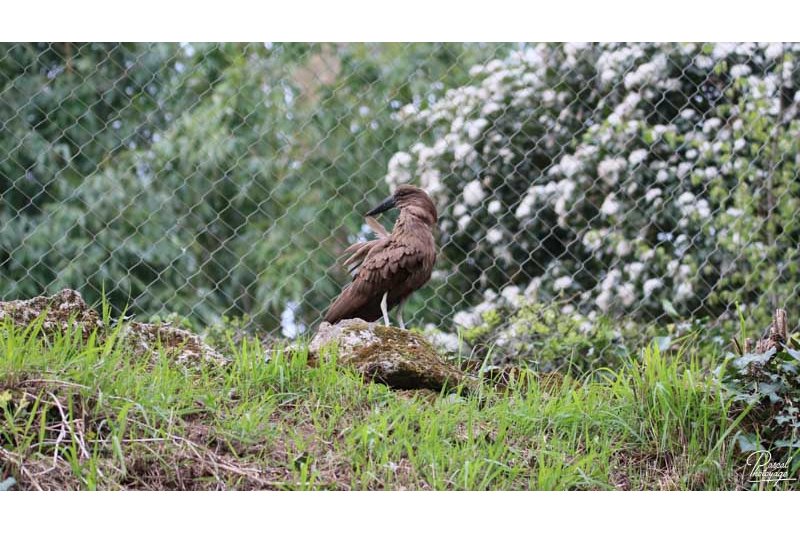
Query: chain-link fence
650, 181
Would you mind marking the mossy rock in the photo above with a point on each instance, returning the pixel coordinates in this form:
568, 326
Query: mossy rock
392, 356
67, 309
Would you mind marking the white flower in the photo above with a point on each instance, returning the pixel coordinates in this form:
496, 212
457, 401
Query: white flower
703, 210
398, 169
431, 180
474, 193
611, 279
524, 208
494, 207
459, 210
652, 194
685, 198
570, 165
610, 205
609, 169
703, 62
490, 108
722, 50
651, 285
684, 168
593, 239
603, 300
607, 75
511, 294
623, 248
466, 319
562, 283
548, 96
475, 127
739, 71
634, 269
626, 294
463, 222
774, 51
684, 291
711, 124
463, 152
739, 144
400, 160
642, 75
637, 156
494, 235
532, 290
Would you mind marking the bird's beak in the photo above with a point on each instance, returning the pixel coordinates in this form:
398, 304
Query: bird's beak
385, 206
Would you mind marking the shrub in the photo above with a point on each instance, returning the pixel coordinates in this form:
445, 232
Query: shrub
635, 180
763, 381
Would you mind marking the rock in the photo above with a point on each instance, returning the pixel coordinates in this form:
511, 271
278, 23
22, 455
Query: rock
67, 307
392, 356
181, 345
60, 309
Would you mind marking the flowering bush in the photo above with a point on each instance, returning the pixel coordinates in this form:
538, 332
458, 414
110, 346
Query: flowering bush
629, 179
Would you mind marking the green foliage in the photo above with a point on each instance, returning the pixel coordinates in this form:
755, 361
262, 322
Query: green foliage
152, 423
766, 387
554, 336
544, 336
199, 179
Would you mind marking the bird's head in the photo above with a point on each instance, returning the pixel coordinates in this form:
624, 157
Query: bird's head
412, 200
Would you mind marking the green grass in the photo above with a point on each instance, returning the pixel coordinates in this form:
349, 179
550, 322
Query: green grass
86, 414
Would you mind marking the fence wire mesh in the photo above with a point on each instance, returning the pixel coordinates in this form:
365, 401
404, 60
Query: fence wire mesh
647, 181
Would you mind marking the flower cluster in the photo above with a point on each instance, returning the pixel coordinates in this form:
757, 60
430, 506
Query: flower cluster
631, 179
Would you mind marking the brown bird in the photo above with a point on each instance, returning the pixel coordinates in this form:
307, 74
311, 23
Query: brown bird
388, 269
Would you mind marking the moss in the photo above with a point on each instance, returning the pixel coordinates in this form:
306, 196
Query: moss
398, 358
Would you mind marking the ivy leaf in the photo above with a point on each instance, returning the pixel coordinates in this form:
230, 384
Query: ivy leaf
793, 353
747, 442
754, 358
771, 390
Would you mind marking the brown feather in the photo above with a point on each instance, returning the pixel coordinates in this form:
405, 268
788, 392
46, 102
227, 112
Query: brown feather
397, 263
377, 227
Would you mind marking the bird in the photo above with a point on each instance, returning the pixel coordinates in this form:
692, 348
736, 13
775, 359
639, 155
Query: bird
388, 269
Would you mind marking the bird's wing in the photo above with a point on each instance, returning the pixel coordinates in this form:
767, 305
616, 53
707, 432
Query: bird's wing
359, 251
389, 263
384, 263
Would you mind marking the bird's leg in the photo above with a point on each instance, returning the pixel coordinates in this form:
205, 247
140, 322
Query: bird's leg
384, 309
400, 314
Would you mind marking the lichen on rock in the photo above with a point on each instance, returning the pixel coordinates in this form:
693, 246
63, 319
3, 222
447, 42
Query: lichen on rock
62, 309
67, 309
395, 357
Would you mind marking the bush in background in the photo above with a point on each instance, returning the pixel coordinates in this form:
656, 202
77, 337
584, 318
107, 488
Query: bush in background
634, 180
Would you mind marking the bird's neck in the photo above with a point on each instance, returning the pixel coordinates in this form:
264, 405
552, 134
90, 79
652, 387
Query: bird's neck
409, 224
